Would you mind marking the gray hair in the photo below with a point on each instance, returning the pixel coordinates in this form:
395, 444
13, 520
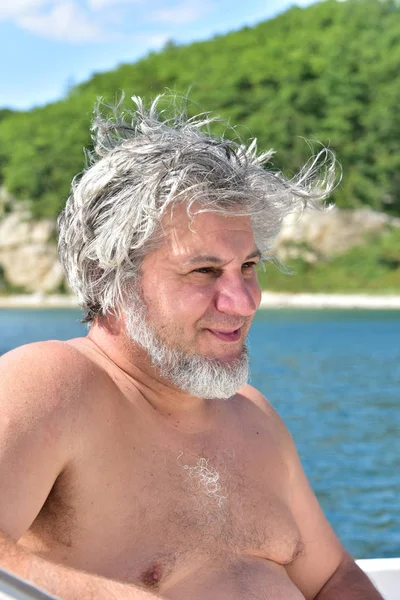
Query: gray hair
146, 161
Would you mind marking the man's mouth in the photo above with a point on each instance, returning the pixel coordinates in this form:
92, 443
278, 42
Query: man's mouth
232, 335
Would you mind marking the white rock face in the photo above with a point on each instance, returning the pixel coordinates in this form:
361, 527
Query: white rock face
28, 253
315, 235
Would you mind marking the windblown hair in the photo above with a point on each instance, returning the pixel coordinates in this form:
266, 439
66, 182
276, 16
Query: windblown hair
143, 164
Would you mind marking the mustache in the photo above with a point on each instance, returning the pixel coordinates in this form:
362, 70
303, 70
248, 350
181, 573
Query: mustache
225, 323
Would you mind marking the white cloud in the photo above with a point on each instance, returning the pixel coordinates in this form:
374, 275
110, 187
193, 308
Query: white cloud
14, 8
64, 21
102, 20
181, 13
98, 5
153, 40
134, 21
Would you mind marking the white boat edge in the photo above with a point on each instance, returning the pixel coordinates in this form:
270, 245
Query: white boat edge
374, 565
384, 573
344, 301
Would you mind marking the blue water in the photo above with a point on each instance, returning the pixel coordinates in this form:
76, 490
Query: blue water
334, 377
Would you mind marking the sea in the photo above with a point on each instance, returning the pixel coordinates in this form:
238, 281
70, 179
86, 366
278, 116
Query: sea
334, 377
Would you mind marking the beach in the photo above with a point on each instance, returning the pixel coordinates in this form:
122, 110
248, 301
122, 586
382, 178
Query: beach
346, 301
269, 300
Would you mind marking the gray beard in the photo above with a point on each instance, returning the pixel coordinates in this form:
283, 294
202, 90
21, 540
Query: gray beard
194, 374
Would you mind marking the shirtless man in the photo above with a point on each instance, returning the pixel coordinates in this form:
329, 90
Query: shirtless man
136, 463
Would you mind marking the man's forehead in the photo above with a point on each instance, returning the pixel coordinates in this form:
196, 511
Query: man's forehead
202, 221
207, 235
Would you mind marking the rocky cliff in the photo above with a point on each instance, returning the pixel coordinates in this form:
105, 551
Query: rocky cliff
28, 254
315, 235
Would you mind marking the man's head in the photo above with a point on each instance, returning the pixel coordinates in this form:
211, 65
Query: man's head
162, 230
197, 297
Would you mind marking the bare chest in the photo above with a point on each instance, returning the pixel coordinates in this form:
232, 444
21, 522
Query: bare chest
152, 516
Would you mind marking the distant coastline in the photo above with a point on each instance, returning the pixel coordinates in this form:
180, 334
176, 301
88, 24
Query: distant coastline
269, 300
38, 301
346, 301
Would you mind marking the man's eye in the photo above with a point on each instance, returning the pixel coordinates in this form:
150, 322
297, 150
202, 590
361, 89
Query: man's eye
249, 265
204, 270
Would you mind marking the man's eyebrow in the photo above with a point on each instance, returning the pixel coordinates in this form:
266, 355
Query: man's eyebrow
207, 258
256, 254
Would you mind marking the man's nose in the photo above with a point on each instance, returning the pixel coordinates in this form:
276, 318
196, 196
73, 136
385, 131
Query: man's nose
237, 296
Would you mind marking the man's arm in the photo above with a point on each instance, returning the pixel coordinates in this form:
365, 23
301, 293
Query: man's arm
348, 582
323, 570
63, 582
42, 398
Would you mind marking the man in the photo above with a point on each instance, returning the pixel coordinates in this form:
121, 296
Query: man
136, 463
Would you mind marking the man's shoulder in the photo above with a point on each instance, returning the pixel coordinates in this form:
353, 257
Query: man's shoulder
258, 399
275, 421
50, 358
46, 375
44, 416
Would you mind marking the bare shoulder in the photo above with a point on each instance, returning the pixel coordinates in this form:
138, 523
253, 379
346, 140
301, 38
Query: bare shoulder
46, 385
257, 398
42, 389
275, 422
39, 353
52, 373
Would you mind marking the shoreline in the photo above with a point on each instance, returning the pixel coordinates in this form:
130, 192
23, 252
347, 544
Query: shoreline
344, 301
269, 300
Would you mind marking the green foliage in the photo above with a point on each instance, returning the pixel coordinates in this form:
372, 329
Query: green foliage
328, 72
373, 268
41, 151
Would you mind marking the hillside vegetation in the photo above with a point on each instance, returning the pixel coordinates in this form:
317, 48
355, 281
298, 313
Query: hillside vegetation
328, 72
372, 268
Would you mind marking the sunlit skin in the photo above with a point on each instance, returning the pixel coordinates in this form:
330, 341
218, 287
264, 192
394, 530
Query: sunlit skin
201, 291
206, 284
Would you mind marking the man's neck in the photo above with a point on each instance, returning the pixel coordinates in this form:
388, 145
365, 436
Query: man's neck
110, 338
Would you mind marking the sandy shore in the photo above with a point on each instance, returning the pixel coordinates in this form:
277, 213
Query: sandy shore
269, 300
364, 301
38, 301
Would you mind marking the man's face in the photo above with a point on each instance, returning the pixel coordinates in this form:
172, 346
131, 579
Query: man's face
200, 292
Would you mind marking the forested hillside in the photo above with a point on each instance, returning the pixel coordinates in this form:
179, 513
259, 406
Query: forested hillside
329, 72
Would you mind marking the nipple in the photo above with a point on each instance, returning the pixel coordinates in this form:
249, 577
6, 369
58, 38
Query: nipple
151, 577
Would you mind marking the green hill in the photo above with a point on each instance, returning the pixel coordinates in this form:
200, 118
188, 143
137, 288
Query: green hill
328, 72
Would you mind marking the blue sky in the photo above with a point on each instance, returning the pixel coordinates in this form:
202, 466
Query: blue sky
48, 45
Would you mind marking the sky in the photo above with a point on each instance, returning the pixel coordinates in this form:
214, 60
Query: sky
46, 46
